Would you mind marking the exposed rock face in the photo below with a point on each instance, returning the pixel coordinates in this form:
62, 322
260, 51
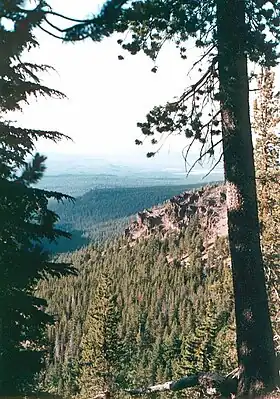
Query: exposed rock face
207, 203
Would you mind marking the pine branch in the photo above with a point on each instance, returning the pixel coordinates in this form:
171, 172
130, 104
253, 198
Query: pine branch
54, 195
20, 90
34, 170
13, 135
28, 70
55, 269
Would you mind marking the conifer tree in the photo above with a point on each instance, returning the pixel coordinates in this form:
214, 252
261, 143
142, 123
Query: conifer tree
198, 349
267, 160
26, 221
102, 356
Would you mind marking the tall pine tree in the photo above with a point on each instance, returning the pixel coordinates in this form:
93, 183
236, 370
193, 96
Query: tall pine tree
26, 221
102, 356
198, 352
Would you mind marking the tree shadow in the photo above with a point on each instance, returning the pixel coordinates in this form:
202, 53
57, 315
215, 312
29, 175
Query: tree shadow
77, 241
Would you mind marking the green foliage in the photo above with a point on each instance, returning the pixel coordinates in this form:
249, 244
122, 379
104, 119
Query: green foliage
154, 22
102, 214
198, 350
160, 302
25, 218
102, 350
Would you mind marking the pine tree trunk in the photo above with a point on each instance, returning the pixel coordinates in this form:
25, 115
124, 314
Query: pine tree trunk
255, 349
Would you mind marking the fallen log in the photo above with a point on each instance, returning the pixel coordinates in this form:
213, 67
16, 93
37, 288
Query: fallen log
211, 383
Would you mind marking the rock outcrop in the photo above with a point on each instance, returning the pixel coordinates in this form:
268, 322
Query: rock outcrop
207, 203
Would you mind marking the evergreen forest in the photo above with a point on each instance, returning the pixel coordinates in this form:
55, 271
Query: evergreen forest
170, 318
102, 214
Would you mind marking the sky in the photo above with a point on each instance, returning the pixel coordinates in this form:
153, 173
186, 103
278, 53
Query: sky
106, 96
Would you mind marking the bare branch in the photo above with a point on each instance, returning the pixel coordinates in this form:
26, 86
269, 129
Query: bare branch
201, 156
49, 33
204, 55
213, 167
54, 26
67, 18
185, 155
191, 91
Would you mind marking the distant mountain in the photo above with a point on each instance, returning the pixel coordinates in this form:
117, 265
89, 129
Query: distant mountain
63, 164
126, 164
78, 184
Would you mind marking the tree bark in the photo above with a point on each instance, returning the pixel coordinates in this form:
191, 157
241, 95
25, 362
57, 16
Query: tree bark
255, 348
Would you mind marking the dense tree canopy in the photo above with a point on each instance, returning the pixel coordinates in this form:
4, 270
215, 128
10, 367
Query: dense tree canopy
163, 303
102, 214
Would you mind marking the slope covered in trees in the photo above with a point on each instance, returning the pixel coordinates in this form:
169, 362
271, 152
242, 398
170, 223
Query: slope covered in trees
171, 298
166, 324
102, 214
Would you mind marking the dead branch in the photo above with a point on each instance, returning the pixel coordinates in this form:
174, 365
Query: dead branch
201, 155
49, 33
211, 383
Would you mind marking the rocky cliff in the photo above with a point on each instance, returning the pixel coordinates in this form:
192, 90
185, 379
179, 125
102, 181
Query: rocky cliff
207, 203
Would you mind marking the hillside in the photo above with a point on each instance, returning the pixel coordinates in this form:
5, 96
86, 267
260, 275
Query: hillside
173, 300
170, 287
105, 213
207, 203
163, 304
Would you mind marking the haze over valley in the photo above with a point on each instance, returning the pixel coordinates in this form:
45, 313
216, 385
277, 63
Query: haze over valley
109, 195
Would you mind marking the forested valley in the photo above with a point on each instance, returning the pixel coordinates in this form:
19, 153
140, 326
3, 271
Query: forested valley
102, 214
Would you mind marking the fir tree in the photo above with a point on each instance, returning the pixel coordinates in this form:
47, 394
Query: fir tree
102, 356
198, 349
26, 221
267, 160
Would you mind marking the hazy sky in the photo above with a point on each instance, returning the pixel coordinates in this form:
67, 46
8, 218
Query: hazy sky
106, 97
